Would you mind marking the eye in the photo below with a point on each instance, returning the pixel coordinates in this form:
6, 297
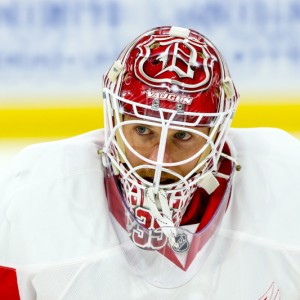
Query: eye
142, 130
182, 135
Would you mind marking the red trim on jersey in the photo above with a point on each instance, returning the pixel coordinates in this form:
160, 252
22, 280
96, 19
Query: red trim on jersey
8, 284
203, 206
210, 210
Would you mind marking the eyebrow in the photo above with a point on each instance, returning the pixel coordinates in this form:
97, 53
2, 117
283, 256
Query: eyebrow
184, 128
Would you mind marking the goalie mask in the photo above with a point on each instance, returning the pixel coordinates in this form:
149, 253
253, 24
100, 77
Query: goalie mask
168, 103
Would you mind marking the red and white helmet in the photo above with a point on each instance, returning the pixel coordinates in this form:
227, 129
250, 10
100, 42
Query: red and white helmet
168, 78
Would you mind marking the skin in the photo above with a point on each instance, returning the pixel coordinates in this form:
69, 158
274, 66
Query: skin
180, 145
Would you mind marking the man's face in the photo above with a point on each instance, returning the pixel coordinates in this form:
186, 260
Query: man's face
180, 145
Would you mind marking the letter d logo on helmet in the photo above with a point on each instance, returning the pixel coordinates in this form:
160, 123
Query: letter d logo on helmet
173, 60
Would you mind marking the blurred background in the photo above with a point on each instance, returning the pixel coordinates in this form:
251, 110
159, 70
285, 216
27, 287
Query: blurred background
53, 54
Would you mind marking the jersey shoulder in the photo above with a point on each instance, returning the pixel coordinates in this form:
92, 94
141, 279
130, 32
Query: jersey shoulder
263, 141
265, 199
52, 202
51, 159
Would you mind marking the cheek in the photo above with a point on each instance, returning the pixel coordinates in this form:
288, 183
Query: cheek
186, 168
133, 159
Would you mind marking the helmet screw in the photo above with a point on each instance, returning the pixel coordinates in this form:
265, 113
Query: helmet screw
180, 108
238, 167
155, 104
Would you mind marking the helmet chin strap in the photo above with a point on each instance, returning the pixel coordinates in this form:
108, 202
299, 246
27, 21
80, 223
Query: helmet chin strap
157, 202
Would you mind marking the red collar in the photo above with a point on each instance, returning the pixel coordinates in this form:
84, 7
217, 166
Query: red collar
203, 206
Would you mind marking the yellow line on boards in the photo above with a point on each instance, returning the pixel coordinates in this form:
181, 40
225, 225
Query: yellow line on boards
49, 121
280, 115
32, 122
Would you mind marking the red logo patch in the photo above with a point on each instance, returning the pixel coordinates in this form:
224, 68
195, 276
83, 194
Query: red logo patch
272, 293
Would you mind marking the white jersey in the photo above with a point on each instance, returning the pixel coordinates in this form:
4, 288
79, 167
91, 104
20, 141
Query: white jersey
57, 240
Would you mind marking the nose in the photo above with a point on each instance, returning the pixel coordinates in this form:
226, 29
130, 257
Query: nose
167, 154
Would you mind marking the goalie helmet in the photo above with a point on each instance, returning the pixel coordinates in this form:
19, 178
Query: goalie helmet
169, 79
